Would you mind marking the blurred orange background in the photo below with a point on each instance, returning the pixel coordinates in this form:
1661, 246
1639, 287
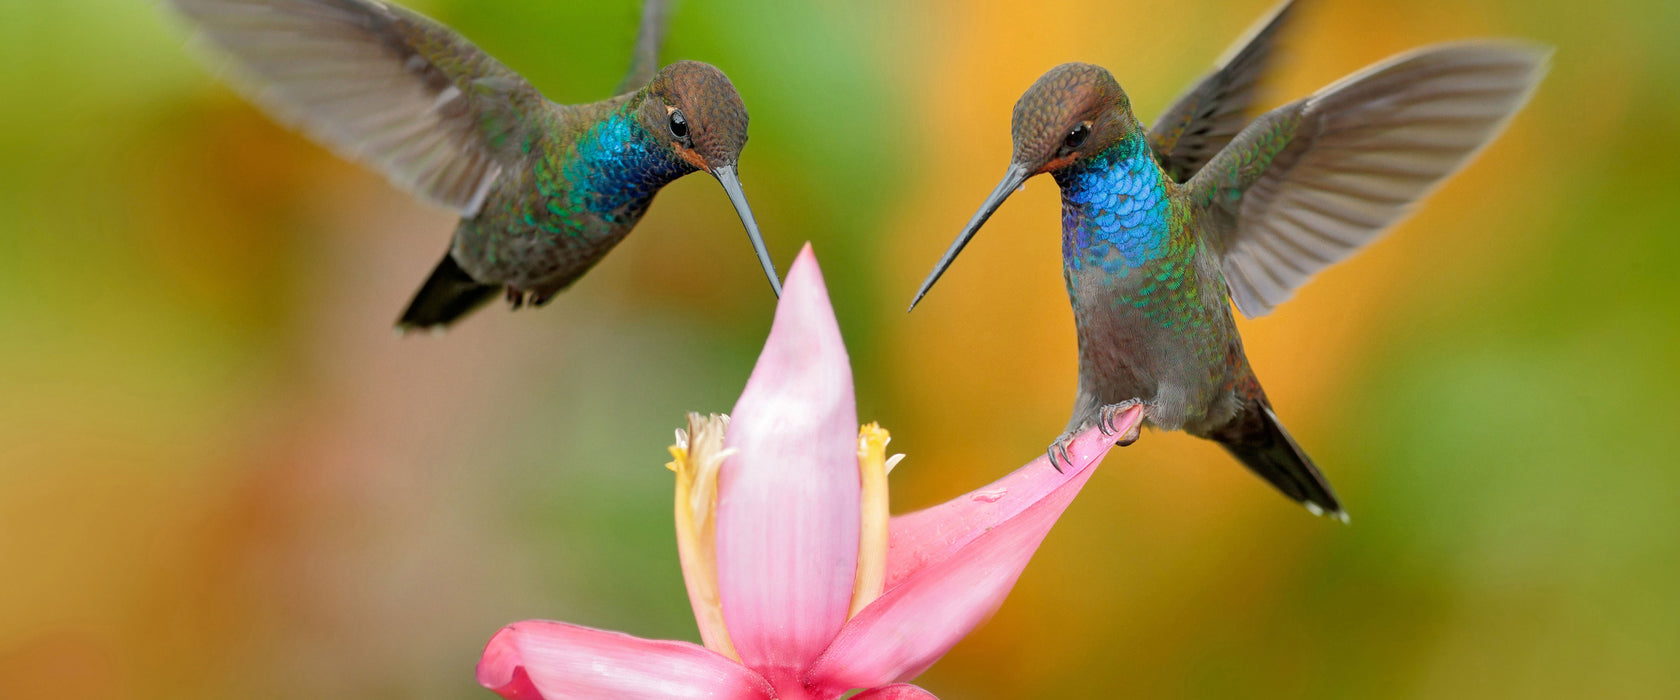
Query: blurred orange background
222, 476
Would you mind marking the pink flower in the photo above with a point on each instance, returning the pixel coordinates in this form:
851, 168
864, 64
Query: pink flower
801, 585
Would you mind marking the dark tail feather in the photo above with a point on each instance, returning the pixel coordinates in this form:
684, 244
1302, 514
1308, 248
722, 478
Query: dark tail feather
1266, 449
447, 295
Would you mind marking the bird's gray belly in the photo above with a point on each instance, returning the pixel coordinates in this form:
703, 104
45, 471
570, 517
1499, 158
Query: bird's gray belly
1127, 353
535, 254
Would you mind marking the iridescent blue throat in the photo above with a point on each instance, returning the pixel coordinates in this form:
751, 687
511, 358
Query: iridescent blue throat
617, 170
1114, 208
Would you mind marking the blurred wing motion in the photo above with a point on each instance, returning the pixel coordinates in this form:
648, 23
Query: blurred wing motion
381, 85
1205, 118
644, 59
1308, 183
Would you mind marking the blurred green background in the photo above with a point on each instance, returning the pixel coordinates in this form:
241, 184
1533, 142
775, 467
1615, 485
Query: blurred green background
222, 476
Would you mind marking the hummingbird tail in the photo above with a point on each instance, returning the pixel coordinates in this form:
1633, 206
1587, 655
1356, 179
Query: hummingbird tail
447, 295
1259, 440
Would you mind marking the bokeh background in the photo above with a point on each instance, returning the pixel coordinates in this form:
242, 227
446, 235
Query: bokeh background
222, 476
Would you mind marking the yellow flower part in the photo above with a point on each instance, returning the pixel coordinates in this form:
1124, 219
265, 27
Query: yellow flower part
696, 458
873, 466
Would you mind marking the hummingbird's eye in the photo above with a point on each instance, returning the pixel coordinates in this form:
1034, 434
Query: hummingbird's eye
1076, 137
679, 124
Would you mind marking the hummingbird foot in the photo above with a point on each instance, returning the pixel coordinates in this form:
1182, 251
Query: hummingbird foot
520, 298
1108, 419
1058, 451
1110, 414
541, 297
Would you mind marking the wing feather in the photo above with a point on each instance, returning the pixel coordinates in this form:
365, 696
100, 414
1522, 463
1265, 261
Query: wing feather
1205, 118
381, 85
650, 35
1306, 185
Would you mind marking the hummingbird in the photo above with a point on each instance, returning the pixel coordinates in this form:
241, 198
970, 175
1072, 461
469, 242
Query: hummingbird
1164, 228
544, 190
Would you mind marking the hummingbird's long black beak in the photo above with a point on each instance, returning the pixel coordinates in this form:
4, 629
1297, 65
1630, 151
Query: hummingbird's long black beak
732, 185
1012, 180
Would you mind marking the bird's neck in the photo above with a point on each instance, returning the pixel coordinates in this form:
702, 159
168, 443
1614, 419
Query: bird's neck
1115, 208
614, 168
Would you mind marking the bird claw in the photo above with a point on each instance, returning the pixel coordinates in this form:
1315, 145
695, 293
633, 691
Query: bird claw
1108, 418
1058, 450
541, 297
1110, 414
520, 298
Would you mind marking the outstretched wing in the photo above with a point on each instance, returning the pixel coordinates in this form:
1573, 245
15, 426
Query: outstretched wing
381, 85
644, 58
1310, 182
1205, 118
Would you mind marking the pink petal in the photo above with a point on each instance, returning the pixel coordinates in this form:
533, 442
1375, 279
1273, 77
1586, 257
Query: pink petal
969, 564
896, 691
926, 536
542, 660
788, 499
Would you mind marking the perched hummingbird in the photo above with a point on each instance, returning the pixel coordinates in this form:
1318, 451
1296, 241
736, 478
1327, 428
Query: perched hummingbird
1160, 226
544, 190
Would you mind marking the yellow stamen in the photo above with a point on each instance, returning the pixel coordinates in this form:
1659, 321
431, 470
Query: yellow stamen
696, 458
873, 466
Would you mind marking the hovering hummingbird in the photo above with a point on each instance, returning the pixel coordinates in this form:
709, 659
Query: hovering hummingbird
544, 190
1160, 227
